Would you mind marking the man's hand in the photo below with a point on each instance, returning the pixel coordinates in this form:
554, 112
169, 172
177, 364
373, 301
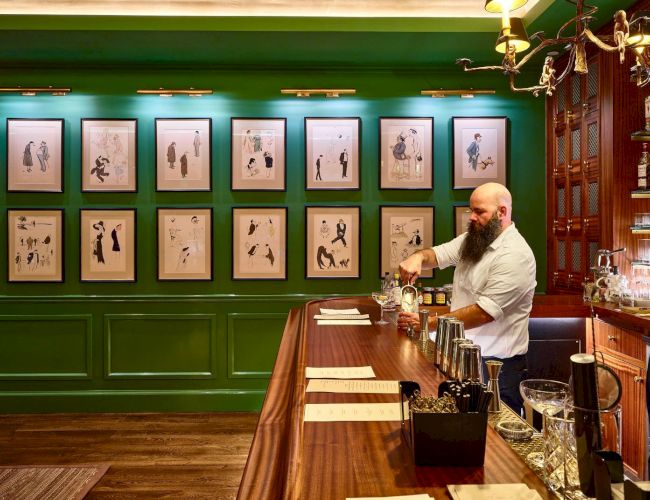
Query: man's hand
408, 318
411, 268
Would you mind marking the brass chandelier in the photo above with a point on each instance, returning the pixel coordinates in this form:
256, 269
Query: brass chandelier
633, 34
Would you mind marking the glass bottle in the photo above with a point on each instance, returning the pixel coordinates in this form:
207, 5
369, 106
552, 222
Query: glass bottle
397, 289
642, 168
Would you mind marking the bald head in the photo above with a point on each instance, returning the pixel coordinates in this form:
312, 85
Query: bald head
493, 198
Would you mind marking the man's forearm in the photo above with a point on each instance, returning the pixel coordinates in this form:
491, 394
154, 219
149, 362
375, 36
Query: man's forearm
429, 259
472, 316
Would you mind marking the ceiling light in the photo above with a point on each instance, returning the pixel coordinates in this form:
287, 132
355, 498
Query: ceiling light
573, 36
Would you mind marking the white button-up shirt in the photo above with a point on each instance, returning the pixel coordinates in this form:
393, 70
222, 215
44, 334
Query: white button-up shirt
502, 283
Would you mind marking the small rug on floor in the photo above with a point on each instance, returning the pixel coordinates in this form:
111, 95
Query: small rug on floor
48, 482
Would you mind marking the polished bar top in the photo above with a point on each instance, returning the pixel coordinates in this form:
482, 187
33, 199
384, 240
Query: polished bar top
292, 459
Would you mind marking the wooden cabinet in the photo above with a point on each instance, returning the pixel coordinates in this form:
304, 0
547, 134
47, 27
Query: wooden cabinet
573, 180
624, 352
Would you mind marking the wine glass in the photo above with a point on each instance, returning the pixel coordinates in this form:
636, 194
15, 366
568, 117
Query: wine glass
382, 299
540, 394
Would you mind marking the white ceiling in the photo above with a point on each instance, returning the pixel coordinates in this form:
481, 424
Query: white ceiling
315, 8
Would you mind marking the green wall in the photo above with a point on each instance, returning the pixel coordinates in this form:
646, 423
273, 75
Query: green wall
209, 345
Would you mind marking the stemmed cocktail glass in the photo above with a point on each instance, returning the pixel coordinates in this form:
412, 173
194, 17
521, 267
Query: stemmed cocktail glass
540, 394
382, 299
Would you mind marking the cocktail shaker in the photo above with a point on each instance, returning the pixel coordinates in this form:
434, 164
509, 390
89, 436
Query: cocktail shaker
424, 329
441, 335
493, 368
470, 363
454, 371
456, 330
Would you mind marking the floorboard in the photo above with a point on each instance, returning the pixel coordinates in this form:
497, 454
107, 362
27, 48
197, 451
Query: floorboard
153, 456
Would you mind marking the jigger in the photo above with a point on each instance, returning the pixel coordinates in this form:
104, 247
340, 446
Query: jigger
456, 330
493, 368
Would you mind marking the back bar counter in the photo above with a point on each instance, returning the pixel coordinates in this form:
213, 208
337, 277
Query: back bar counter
291, 459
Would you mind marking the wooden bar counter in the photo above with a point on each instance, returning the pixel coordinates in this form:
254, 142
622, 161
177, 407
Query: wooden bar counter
292, 459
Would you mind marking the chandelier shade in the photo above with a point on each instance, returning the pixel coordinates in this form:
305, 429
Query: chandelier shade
499, 6
515, 35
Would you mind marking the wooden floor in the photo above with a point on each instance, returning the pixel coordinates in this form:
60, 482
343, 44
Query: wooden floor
151, 456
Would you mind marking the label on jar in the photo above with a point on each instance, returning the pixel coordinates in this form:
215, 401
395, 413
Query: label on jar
441, 298
427, 298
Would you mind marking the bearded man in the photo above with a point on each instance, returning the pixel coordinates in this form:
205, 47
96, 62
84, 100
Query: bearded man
494, 283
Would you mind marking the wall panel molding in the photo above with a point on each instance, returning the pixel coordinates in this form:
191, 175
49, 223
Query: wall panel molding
41, 347
185, 346
261, 328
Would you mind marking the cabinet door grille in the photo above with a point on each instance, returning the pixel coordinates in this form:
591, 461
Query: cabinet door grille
575, 144
561, 254
576, 264
592, 80
593, 198
575, 90
592, 140
561, 153
575, 200
561, 202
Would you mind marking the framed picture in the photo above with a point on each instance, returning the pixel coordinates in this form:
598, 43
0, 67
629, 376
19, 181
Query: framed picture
185, 244
404, 230
34, 245
332, 155
108, 245
461, 219
259, 243
333, 242
35, 155
405, 153
183, 154
109, 155
257, 161
479, 151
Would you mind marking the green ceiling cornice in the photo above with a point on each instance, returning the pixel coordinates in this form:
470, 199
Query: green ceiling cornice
262, 24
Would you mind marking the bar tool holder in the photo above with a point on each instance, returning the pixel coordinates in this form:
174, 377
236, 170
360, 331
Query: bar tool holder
493, 369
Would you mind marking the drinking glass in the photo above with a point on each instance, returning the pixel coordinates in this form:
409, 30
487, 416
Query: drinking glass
382, 299
543, 395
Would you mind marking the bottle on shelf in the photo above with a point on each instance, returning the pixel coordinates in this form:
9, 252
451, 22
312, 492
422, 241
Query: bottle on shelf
386, 282
397, 289
419, 288
642, 168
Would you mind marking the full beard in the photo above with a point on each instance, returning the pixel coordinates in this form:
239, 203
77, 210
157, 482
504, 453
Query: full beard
479, 238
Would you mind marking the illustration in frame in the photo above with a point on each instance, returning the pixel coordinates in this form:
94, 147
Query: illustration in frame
259, 243
461, 219
258, 154
404, 230
406, 153
183, 154
332, 154
108, 244
333, 237
185, 244
109, 155
35, 155
480, 146
35, 245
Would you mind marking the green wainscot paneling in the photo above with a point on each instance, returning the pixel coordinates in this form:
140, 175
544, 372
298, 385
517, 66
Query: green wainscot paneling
253, 341
185, 346
45, 347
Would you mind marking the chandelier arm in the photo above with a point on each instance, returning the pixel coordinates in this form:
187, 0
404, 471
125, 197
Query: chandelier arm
602, 45
534, 89
543, 44
464, 63
568, 68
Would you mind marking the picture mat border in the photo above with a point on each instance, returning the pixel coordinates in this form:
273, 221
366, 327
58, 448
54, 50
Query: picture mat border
61, 173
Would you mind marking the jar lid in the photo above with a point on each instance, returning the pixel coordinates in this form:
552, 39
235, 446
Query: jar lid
427, 289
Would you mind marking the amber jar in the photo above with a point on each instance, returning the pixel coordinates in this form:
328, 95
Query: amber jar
427, 296
440, 297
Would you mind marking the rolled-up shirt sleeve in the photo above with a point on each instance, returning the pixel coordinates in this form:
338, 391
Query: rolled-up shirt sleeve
508, 280
448, 254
